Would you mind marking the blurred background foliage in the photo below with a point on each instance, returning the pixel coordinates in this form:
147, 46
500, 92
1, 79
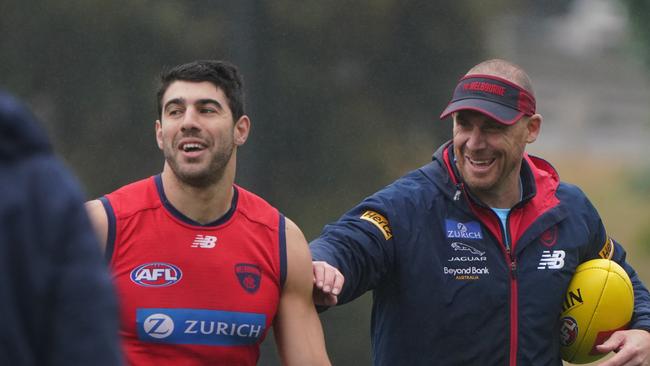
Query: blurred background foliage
639, 12
639, 15
344, 95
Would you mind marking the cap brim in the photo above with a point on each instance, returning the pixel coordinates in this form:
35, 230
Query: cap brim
499, 112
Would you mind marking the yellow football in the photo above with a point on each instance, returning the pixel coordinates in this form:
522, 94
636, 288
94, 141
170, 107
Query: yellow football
599, 301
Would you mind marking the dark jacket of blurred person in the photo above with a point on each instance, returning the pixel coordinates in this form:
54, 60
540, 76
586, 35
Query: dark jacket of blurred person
57, 304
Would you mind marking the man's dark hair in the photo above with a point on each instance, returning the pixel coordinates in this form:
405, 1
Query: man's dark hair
222, 74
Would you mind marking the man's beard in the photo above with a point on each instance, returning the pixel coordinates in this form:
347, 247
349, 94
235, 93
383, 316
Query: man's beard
205, 177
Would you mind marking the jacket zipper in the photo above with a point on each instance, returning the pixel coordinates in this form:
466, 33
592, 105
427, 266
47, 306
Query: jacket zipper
459, 191
512, 262
514, 294
514, 323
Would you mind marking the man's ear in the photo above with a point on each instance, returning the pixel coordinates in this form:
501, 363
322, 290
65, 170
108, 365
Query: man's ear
241, 130
534, 127
159, 138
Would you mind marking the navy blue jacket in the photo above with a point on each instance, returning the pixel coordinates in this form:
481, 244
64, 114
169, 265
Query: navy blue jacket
446, 289
57, 305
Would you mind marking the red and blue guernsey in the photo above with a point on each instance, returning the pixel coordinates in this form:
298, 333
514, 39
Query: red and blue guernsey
193, 294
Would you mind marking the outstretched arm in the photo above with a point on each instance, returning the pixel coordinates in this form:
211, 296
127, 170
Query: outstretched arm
298, 332
355, 253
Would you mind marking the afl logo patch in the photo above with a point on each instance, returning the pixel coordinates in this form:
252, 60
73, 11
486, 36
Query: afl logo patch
568, 331
249, 276
156, 274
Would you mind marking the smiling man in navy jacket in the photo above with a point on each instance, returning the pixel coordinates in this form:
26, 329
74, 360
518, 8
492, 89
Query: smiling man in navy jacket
469, 256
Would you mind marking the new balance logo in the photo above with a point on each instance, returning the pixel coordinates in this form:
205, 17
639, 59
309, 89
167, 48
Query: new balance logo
552, 259
204, 241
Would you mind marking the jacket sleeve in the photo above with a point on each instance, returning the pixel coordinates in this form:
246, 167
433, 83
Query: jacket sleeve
83, 320
641, 316
360, 245
606, 247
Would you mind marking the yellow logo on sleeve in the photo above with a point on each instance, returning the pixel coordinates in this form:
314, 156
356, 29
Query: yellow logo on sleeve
379, 221
608, 249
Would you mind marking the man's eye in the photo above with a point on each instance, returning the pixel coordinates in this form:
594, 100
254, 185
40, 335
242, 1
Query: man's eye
495, 127
462, 124
207, 110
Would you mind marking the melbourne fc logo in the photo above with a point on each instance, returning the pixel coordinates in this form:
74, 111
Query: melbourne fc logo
249, 276
156, 274
549, 237
568, 331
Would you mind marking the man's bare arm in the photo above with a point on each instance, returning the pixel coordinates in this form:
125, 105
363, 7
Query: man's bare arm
98, 218
298, 332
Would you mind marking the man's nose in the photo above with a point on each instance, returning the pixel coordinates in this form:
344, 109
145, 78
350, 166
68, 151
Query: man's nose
190, 120
476, 138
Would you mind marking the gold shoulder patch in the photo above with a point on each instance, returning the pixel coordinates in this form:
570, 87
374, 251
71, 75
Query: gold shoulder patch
379, 221
608, 249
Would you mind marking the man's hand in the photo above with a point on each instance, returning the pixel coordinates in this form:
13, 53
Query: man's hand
632, 347
328, 282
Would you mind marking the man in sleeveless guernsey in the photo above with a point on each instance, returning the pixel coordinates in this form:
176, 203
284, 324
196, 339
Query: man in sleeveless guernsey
203, 267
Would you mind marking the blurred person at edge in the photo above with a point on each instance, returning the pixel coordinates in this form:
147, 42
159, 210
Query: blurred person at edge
469, 256
58, 305
202, 266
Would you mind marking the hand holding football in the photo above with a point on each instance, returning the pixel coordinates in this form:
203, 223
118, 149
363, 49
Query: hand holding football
599, 301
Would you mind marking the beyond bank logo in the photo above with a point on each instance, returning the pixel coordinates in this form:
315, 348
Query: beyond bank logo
198, 326
463, 230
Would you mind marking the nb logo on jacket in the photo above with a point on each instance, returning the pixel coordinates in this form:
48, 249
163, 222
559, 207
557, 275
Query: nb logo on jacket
552, 259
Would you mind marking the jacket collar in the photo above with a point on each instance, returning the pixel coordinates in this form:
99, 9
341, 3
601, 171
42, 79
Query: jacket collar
537, 175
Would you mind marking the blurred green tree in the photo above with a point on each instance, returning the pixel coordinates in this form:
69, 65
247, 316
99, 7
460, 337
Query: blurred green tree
639, 13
